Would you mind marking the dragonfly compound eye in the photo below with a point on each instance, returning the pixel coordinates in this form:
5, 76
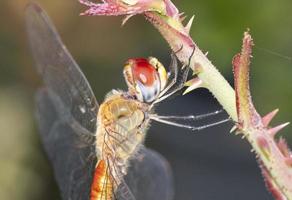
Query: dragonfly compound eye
145, 78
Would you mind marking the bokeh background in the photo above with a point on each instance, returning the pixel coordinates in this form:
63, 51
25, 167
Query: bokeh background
207, 165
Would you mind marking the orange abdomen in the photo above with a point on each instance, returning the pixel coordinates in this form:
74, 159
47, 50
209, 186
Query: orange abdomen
101, 187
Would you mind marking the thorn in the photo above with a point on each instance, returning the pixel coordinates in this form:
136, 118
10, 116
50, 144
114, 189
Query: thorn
193, 84
189, 24
193, 81
126, 19
268, 118
233, 129
181, 14
237, 132
183, 18
206, 54
275, 130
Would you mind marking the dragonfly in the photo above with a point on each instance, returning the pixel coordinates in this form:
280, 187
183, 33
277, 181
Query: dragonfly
111, 163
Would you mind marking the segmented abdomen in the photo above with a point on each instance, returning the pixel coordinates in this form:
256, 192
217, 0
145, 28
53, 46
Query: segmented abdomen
102, 187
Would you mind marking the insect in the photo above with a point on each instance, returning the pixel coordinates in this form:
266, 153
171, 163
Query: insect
113, 132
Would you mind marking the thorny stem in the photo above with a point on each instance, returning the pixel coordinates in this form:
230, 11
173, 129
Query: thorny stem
275, 165
274, 156
211, 78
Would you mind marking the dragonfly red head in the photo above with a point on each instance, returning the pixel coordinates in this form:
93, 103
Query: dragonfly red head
146, 78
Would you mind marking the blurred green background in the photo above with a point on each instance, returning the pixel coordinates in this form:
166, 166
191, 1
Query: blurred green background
100, 45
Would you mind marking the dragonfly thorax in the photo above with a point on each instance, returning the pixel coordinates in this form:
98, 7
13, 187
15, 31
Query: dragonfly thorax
122, 124
146, 78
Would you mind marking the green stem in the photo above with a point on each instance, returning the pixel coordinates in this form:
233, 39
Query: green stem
181, 43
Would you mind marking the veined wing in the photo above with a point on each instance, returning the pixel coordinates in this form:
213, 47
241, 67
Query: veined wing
67, 108
149, 176
67, 111
73, 166
74, 98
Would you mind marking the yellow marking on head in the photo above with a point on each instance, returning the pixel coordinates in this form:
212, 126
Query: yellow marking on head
161, 71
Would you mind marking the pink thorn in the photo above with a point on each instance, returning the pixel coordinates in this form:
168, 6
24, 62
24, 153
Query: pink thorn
268, 118
181, 14
171, 10
275, 130
182, 18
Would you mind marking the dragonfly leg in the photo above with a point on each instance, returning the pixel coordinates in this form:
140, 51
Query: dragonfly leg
175, 89
172, 87
190, 127
189, 117
173, 71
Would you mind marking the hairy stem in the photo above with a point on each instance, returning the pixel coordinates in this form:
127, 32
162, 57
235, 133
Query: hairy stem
181, 43
274, 156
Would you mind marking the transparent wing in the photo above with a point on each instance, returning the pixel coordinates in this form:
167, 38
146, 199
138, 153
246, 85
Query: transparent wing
149, 176
73, 166
66, 107
67, 112
74, 98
